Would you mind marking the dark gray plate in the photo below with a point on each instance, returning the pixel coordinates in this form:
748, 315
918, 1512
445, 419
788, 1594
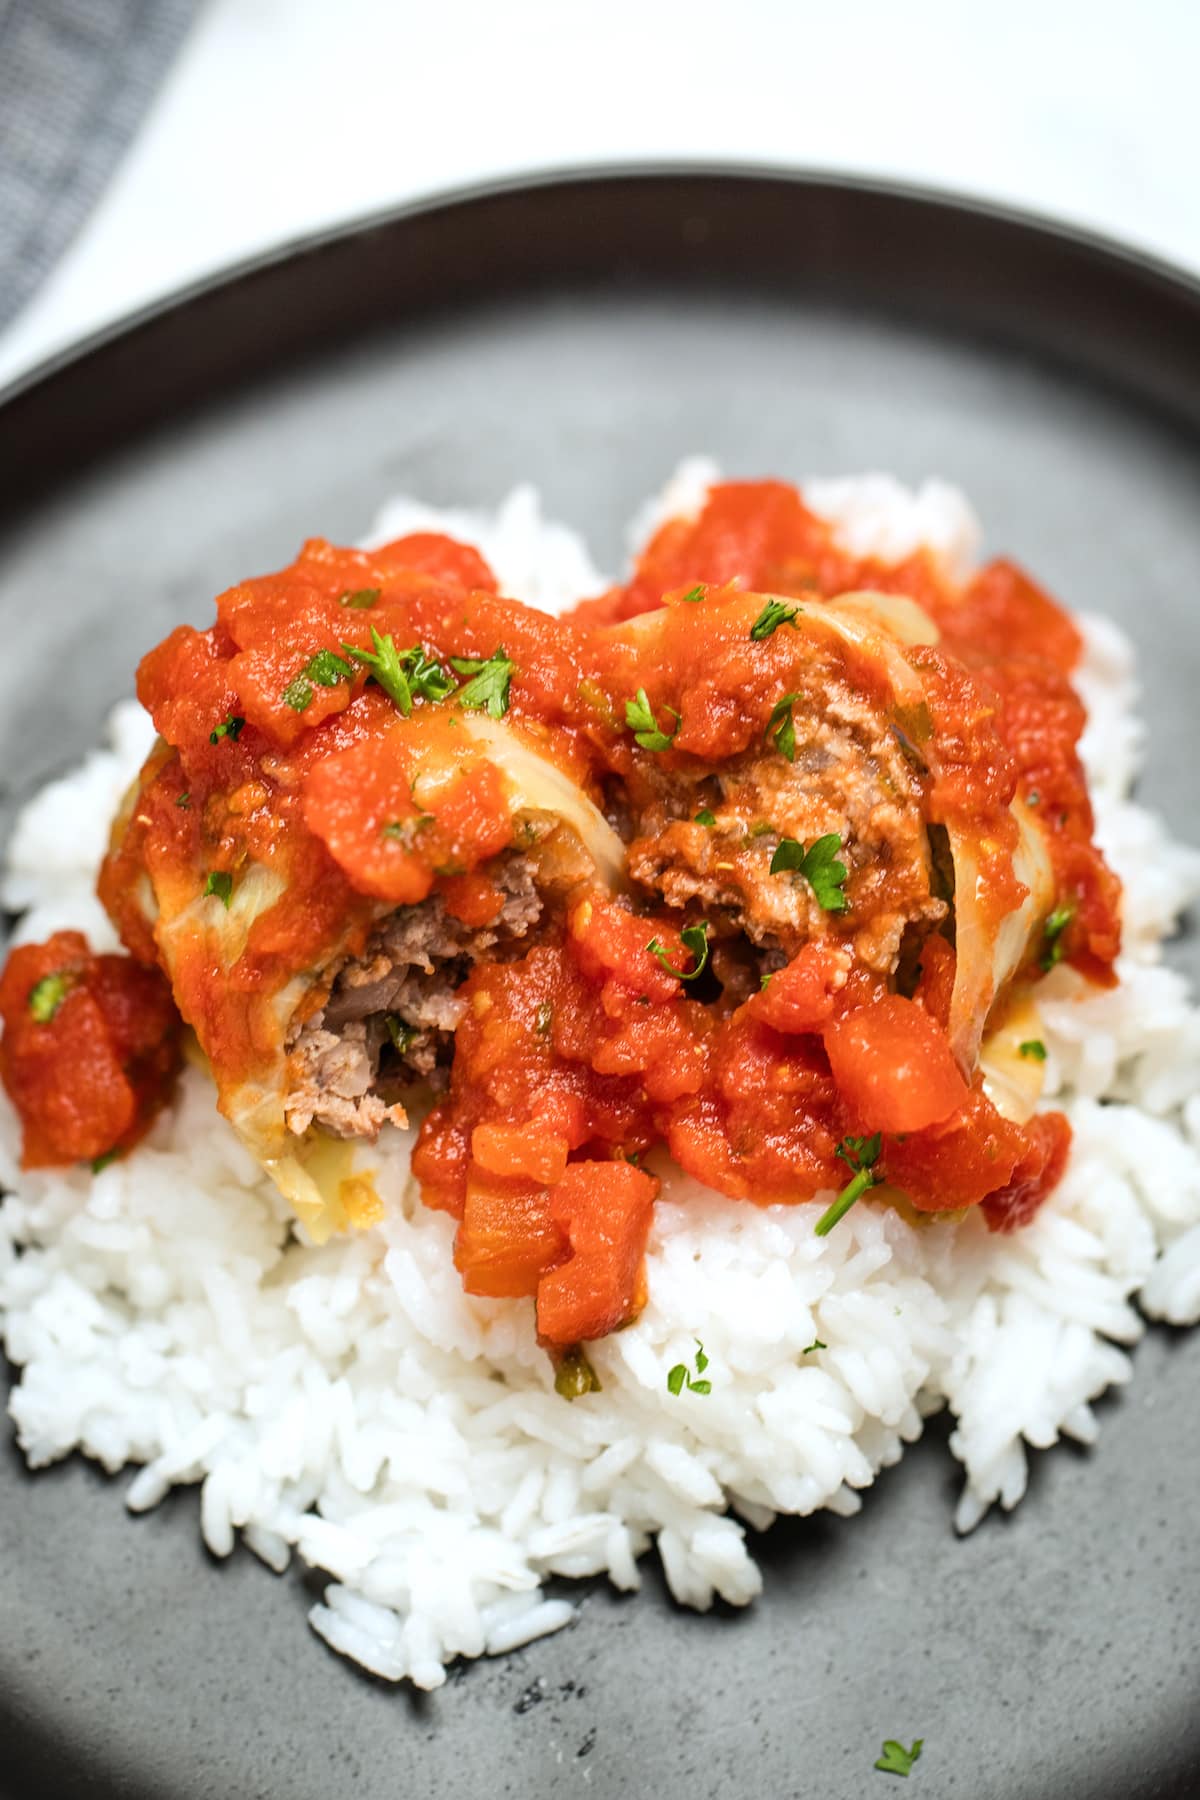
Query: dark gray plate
584, 335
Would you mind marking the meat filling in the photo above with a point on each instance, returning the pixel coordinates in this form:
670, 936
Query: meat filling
849, 775
390, 1015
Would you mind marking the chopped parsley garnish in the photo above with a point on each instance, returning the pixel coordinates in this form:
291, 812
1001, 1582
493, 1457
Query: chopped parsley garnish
48, 994
402, 1035
389, 667
773, 615
1052, 944
1034, 1049
487, 691
358, 598
860, 1155
230, 727
781, 727
696, 593
640, 719
896, 1760
695, 939
185, 801
764, 981
680, 1377
704, 817
818, 865
404, 831
575, 1376
219, 882
325, 669
102, 1161
815, 1345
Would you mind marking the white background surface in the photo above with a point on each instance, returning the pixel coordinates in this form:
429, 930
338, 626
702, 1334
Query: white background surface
284, 115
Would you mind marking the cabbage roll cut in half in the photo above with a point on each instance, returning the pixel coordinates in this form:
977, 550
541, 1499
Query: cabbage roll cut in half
351, 803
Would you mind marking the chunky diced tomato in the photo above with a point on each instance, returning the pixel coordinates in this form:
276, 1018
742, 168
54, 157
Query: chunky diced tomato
893, 1066
605, 1210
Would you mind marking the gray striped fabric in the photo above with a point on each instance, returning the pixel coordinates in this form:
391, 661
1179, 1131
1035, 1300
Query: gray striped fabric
76, 77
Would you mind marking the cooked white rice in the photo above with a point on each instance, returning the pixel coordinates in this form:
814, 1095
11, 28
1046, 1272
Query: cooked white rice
351, 1403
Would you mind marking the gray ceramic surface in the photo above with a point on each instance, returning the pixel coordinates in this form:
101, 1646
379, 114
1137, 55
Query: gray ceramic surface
1052, 1653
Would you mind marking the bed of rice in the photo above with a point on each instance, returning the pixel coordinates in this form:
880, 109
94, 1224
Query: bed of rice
352, 1405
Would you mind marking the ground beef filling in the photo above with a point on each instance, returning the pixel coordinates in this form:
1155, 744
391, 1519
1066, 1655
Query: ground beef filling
390, 1017
849, 775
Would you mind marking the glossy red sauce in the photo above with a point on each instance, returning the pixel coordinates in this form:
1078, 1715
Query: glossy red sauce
575, 1061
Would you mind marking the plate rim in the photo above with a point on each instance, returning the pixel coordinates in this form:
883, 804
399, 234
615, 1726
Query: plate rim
1119, 255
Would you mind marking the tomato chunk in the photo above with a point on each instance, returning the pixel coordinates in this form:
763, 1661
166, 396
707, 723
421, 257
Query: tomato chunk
90, 1046
894, 1066
605, 1210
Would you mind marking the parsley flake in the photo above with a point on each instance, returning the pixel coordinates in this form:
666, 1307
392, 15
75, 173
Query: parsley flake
818, 865
487, 691
358, 598
704, 817
859, 1154
1052, 933
230, 727
773, 615
219, 883
1033, 1048
102, 1161
404, 831
781, 727
696, 593
325, 669
386, 666
815, 1345
695, 939
48, 994
896, 1760
680, 1376
640, 719
184, 801
402, 1035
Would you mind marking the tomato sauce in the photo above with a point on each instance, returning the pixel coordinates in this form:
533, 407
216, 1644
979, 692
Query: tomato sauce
616, 1033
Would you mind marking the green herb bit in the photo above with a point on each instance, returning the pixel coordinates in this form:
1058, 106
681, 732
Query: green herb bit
1052, 944
184, 801
575, 1376
404, 831
487, 691
640, 719
543, 1018
230, 727
219, 882
815, 1345
1033, 1048
696, 593
818, 865
860, 1152
705, 817
680, 1377
695, 939
386, 666
773, 615
325, 669
403, 1036
896, 1760
781, 727
1033, 798
359, 598
102, 1161
48, 994
426, 676
764, 981
861, 1155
